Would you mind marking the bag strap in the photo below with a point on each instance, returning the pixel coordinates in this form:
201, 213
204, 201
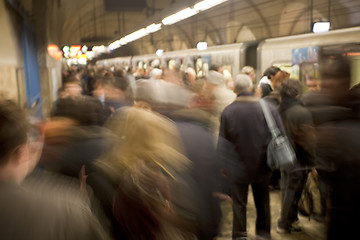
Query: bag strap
269, 119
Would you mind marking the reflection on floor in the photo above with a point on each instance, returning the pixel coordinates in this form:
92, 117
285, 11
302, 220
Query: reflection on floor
312, 230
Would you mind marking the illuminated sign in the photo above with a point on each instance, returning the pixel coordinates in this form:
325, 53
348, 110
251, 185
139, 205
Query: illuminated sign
54, 51
74, 50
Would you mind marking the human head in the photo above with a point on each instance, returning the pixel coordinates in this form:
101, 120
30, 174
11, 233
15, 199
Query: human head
311, 85
271, 72
13, 127
156, 73
216, 68
335, 74
18, 156
242, 83
62, 93
116, 88
249, 70
72, 87
215, 78
290, 88
190, 76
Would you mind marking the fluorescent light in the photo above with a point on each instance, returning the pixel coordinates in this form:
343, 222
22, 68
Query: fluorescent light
183, 14
201, 46
123, 41
206, 4
153, 28
115, 45
321, 27
133, 36
159, 52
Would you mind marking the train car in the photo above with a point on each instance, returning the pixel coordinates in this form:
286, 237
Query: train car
299, 55
232, 57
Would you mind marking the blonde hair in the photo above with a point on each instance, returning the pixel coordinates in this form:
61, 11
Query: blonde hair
148, 163
141, 135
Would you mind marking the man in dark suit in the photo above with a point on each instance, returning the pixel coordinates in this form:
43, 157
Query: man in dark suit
244, 126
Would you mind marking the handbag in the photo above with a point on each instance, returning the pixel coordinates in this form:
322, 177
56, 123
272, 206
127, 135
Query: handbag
279, 151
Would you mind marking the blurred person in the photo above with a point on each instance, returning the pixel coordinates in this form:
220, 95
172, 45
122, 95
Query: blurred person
189, 77
229, 83
155, 73
98, 90
216, 68
338, 126
116, 94
312, 84
300, 130
223, 96
73, 87
25, 213
153, 196
249, 70
73, 136
266, 83
193, 124
275, 98
62, 93
244, 127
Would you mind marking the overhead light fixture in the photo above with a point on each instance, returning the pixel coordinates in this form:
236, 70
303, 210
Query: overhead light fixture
206, 4
319, 27
115, 45
133, 36
201, 46
123, 41
183, 14
153, 28
159, 52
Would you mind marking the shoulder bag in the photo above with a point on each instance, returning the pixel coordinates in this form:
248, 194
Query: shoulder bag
279, 151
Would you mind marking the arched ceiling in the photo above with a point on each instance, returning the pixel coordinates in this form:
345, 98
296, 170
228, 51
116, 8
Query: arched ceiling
97, 22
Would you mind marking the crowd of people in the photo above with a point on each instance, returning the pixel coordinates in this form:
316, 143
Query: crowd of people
122, 157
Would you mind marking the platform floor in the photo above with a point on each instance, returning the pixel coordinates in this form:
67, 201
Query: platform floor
313, 230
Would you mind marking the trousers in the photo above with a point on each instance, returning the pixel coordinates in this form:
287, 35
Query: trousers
262, 203
292, 183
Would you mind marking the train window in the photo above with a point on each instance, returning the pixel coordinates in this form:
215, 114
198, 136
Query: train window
355, 70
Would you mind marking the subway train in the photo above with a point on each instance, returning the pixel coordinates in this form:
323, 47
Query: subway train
298, 55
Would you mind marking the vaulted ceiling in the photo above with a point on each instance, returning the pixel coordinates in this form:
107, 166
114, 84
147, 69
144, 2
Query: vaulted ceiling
97, 22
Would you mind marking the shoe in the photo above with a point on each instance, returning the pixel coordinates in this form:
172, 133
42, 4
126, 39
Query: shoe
292, 229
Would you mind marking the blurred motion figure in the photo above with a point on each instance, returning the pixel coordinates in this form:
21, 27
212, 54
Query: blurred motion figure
26, 214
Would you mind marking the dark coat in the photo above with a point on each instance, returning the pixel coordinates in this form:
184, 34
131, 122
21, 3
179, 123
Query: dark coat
194, 130
243, 124
300, 129
46, 210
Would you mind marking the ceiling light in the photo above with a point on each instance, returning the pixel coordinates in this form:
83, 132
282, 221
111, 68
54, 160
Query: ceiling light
183, 14
206, 4
201, 46
153, 28
159, 52
134, 36
115, 45
321, 27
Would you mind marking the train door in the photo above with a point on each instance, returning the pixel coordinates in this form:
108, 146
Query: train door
31, 69
251, 55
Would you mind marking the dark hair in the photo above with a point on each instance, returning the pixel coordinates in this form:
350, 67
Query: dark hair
271, 71
86, 111
13, 129
290, 88
214, 67
72, 79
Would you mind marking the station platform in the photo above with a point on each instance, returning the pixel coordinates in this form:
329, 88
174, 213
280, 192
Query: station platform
313, 230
